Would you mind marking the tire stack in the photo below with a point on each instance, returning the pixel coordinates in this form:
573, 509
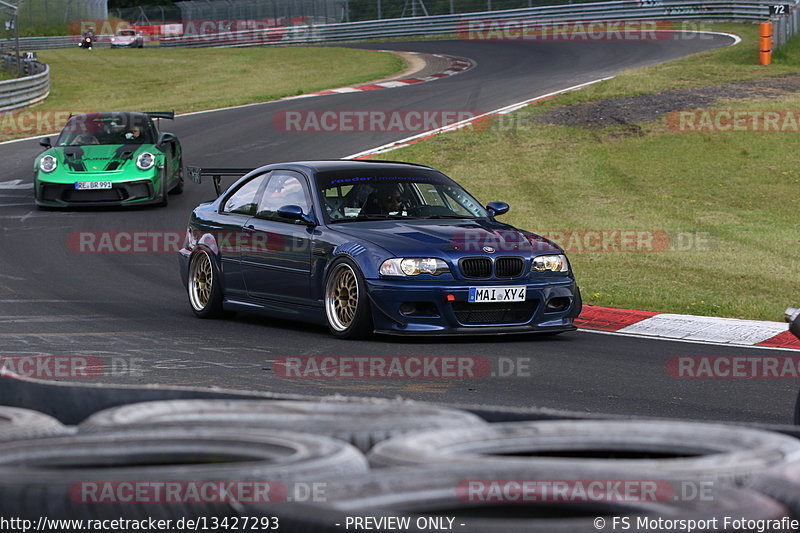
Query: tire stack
408, 461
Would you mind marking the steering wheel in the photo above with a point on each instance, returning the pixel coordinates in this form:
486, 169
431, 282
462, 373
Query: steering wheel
84, 138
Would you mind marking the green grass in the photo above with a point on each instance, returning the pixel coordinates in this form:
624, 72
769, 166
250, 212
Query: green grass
184, 80
735, 63
195, 79
732, 199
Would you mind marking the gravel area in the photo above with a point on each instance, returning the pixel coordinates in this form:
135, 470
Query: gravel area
648, 107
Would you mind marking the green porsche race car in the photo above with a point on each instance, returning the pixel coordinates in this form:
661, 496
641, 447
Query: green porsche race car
109, 159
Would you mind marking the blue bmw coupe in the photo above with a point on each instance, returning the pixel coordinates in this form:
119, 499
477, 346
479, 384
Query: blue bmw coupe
372, 246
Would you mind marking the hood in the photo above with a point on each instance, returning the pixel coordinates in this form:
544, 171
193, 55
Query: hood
99, 157
451, 238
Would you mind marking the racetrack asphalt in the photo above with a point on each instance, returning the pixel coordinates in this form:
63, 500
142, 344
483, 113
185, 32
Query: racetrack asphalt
130, 308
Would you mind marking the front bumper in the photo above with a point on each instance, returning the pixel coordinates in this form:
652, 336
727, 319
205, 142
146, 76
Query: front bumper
138, 192
407, 308
132, 44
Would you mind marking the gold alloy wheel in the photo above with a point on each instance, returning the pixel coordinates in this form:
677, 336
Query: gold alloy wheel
341, 297
201, 278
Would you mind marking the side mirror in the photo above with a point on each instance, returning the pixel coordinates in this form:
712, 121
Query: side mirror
165, 138
294, 212
496, 209
793, 318
46, 142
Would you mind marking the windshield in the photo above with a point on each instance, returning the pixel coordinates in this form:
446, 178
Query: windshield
82, 130
349, 196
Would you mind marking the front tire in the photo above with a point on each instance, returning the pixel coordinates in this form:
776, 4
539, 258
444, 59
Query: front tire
347, 306
178, 188
205, 294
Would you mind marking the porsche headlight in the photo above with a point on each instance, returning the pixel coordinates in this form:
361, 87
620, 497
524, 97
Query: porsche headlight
550, 263
48, 163
399, 266
145, 161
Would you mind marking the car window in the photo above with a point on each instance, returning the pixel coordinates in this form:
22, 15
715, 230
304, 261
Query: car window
352, 195
243, 200
430, 194
458, 202
107, 128
283, 189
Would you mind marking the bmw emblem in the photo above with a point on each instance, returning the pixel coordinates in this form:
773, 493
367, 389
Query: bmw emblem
488, 249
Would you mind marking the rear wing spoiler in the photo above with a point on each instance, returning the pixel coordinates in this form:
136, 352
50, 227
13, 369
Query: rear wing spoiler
169, 115
196, 174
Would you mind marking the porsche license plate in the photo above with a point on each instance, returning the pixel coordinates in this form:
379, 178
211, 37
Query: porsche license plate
496, 294
92, 185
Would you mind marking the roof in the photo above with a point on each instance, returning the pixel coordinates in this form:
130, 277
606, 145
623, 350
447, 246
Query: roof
331, 165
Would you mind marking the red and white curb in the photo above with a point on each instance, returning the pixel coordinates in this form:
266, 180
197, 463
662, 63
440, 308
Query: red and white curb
457, 66
690, 328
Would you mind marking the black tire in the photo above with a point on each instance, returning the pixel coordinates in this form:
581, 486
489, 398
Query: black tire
362, 424
797, 410
783, 486
49, 476
178, 188
445, 491
18, 423
345, 319
205, 302
689, 449
163, 198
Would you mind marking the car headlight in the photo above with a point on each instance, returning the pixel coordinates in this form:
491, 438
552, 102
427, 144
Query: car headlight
399, 266
145, 161
551, 263
48, 163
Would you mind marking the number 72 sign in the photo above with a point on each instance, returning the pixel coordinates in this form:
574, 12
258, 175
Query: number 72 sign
779, 9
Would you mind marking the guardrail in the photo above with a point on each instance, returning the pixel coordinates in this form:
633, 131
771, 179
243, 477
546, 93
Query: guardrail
51, 43
21, 92
621, 10
708, 10
785, 26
